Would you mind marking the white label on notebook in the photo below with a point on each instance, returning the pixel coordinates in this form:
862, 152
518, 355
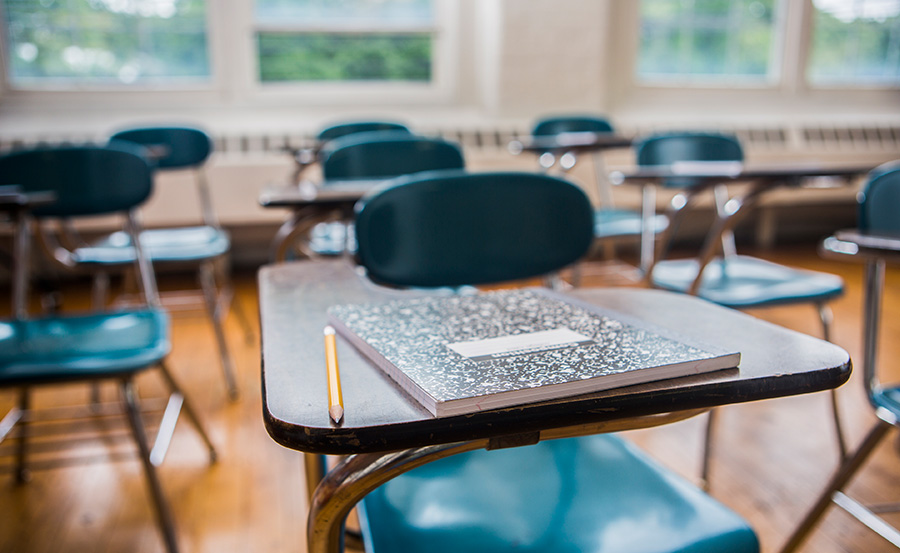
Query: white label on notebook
519, 344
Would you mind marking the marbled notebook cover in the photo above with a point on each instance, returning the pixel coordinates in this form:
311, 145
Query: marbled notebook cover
518, 346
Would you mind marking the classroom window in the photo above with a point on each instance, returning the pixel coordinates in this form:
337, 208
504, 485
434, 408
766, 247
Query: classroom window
855, 42
106, 42
707, 40
345, 40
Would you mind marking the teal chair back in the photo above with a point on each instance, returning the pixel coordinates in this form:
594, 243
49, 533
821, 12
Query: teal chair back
672, 147
880, 200
81, 178
548, 126
173, 147
385, 154
450, 228
354, 127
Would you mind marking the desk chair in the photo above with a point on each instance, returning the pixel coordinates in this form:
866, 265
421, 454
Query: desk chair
375, 155
305, 157
878, 220
78, 348
592, 494
205, 247
719, 274
610, 223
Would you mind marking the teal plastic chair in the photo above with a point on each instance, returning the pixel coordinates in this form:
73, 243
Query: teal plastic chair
386, 154
375, 155
595, 494
338, 130
879, 204
610, 222
204, 246
306, 157
729, 279
112, 345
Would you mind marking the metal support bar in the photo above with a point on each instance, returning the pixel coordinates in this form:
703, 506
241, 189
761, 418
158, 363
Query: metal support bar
189, 410
21, 450
354, 478
163, 514
166, 429
867, 517
843, 475
210, 294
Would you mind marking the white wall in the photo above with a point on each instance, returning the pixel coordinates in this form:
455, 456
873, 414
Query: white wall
515, 60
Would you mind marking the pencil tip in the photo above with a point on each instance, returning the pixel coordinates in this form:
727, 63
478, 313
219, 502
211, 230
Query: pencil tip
336, 412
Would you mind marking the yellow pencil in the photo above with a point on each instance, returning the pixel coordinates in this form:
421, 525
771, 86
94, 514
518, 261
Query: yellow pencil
335, 400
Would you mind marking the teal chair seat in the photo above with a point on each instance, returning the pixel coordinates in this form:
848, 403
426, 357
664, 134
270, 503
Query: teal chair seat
160, 245
80, 347
887, 399
616, 223
741, 281
596, 494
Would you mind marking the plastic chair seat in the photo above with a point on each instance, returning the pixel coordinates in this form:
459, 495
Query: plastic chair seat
887, 398
172, 245
612, 223
56, 349
743, 281
596, 494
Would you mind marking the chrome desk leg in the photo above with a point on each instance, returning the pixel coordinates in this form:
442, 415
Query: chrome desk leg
211, 299
846, 471
648, 226
827, 317
299, 224
355, 477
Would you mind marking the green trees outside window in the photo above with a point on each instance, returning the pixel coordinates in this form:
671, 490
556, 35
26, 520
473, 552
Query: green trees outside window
706, 39
106, 41
855, 41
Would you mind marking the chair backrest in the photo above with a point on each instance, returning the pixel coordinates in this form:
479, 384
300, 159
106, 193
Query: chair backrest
387, 154
547, 126
171, 147
879, 203
671, 147
87, 180
353, 127
451, 228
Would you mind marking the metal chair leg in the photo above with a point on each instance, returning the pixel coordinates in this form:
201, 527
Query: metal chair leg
210, 295
189, 411
711, 420
163, 514
843, 475
827, 317
315, 467
231, 302
22, 474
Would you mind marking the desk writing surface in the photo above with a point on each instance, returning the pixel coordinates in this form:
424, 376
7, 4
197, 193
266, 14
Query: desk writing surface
585, 141
748, 172
379, 417
308, 193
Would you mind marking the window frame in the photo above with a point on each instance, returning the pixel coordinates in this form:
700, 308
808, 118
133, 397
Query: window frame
231, 39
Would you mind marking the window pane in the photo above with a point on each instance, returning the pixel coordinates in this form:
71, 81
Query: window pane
697, 40
344, 12
855, 41
337, 57
106, 41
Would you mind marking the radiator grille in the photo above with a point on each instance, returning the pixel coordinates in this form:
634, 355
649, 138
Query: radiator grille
882, 138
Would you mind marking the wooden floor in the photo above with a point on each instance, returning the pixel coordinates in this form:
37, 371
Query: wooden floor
771, 456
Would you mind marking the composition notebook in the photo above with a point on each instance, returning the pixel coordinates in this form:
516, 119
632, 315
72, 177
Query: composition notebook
467, 353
